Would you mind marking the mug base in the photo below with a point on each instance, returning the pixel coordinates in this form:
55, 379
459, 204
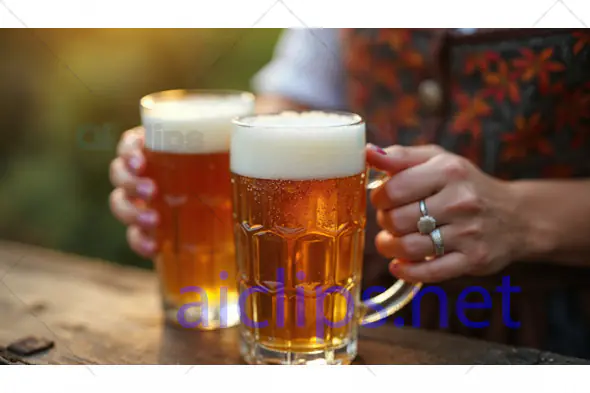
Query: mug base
258, 354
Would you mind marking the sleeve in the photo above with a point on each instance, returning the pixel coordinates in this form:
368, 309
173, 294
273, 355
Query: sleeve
306, 67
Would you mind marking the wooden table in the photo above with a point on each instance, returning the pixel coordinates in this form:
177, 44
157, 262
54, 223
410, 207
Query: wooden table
102, 313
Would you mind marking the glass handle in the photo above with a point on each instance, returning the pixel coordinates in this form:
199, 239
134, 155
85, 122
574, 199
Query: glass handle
399, 294
375, 178
391, 301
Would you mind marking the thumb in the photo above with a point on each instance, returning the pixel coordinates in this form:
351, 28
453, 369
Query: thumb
396, 158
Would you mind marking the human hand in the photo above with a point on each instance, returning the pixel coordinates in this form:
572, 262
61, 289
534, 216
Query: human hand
127, 201
475, 213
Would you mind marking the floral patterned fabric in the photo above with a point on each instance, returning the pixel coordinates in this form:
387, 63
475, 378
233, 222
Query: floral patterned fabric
517, 104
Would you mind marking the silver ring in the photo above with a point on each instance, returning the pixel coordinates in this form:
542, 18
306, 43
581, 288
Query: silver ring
426, 223
423, 208
439, 245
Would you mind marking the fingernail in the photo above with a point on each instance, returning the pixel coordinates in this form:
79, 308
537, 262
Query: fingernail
135, 163
394, 265
148, 246
145, 189
147, 218
377, 149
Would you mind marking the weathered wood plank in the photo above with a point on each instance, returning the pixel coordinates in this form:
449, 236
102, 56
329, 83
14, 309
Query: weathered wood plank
101, 313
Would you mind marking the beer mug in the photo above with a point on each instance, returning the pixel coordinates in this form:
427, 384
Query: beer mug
299, 197
187, 134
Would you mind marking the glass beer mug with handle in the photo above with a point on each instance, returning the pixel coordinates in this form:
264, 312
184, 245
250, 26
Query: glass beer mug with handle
187, 136
299, 200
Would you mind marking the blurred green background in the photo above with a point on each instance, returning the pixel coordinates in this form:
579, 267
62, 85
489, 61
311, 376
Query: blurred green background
60, 87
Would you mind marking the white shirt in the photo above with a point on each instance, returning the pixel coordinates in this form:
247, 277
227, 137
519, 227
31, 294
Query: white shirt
307, 68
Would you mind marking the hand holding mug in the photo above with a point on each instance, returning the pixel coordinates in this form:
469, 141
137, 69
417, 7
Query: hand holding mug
475, 215
127, 201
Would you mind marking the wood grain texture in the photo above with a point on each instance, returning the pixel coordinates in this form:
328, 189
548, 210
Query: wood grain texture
101, 313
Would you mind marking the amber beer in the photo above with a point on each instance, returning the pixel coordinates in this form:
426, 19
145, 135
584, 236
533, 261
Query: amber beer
300, 211
187, 152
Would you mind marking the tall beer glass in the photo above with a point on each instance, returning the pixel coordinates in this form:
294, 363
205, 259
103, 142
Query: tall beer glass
187, 137
299, 217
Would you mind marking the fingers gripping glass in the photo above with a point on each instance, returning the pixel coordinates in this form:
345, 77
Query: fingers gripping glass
399, 294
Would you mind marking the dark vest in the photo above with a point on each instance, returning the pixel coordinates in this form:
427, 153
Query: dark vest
517, 104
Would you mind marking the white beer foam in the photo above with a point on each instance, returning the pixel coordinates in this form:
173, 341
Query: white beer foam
298, 146
192, 125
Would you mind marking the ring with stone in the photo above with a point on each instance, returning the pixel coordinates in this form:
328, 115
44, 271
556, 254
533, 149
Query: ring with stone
426, 223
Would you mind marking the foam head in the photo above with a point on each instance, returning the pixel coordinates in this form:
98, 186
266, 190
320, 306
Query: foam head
194, 122
298, 146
